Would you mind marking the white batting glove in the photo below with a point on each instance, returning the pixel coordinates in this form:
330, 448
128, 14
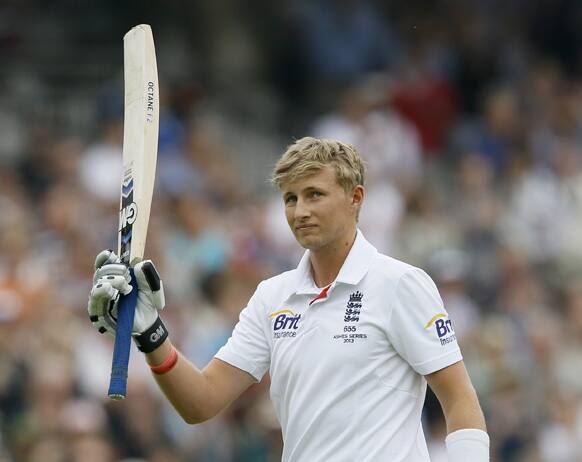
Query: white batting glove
112, 278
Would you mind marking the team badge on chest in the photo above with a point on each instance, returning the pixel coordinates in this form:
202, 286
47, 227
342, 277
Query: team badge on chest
354, 307
352, 314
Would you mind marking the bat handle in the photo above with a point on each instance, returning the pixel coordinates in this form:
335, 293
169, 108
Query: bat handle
125, 315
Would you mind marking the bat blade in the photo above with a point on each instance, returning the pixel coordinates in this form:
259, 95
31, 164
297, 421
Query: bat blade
140, 141
140, 146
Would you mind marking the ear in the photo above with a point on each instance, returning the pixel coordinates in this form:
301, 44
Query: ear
358, 196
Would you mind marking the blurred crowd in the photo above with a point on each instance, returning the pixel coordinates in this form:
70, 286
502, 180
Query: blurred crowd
469, 119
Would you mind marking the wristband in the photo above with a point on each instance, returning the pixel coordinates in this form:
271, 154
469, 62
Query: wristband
168, 363
468, 444
152, 337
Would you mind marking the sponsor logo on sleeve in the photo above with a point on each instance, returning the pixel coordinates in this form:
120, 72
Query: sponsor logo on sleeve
285, 323
443, 328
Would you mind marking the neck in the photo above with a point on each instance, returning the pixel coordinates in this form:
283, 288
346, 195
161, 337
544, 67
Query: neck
327, 261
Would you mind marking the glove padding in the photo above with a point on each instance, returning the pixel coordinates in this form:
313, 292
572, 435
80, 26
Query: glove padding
112, 278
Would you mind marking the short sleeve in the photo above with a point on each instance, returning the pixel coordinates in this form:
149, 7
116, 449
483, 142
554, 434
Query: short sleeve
248, 348
419, 326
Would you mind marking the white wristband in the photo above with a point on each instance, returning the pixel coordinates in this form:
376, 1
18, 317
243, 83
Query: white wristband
469, 444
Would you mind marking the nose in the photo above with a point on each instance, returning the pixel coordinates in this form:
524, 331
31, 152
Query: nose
301, 210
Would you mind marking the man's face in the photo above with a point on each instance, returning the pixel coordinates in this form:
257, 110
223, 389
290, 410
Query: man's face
319, 211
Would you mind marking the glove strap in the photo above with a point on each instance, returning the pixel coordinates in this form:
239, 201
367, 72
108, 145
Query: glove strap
152, 338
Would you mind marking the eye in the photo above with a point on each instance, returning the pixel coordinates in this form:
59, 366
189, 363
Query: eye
290, 199
315, 194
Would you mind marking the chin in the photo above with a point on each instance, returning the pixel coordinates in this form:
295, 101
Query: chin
309, 243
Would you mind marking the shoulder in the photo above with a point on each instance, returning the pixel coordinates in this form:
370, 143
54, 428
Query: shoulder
391, 270
395, 277
278, 288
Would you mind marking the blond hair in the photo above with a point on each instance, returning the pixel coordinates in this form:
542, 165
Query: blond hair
308, 156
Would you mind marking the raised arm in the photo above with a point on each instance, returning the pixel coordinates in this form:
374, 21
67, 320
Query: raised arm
196, 394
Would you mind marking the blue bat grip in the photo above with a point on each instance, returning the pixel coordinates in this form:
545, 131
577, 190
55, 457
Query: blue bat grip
125, 314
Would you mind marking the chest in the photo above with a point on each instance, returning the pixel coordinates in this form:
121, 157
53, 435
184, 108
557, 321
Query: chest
336, 335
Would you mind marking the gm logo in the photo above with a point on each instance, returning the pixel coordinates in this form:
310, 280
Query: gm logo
286, 321
157, 335
127, 215
442, 325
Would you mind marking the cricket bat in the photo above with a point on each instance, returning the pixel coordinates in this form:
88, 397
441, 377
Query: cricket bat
140, 147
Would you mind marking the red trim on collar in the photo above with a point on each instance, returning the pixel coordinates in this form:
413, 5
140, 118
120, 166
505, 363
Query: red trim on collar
321, 295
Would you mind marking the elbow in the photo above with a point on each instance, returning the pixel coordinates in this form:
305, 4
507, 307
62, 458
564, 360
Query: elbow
191, 420
195, 417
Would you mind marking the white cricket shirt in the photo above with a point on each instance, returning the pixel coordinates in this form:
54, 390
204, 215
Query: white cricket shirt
347, 367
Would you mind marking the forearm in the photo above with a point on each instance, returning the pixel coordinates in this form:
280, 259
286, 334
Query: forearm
458, 398
465, 412
467, 437
185, 386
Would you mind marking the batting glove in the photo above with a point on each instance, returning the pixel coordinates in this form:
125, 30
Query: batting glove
112, 278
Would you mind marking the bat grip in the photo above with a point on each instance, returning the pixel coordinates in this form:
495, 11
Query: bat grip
125, 315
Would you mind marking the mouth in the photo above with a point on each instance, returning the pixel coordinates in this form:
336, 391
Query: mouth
304, 227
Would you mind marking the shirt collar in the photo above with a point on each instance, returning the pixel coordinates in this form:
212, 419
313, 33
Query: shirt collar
352, 271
